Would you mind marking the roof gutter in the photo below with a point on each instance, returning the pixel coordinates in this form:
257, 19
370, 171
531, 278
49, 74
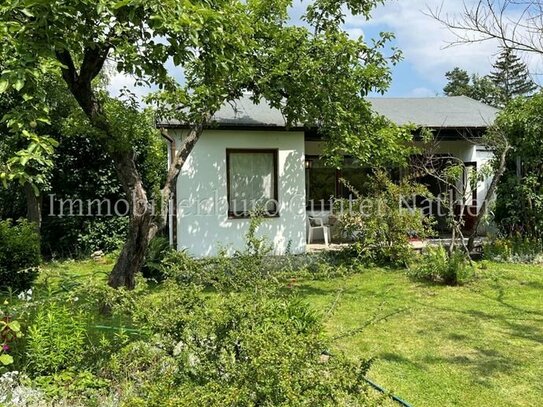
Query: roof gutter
232, 126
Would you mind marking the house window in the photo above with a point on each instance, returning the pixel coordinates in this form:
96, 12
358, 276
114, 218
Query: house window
252, 182
321, 184
324, 184
356, 176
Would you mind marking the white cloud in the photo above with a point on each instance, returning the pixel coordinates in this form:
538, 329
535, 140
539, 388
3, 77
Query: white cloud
120, 81
424, 40
422, 93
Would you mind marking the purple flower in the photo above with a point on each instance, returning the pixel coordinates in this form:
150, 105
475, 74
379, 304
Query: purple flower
5, 347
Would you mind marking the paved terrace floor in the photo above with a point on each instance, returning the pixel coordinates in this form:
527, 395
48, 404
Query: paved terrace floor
417, 244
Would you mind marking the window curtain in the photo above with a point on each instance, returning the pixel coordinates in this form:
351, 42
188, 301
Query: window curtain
252, 179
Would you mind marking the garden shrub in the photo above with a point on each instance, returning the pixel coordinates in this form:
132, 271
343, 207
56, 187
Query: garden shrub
252, 267
65, 389
519, 203
497, 250
10, 331
224, 273
55, 340
78, 237
19, 255
106, 234
379, 223
516, 249
69, 386
241, 349
159, 248
142, 371
437, 266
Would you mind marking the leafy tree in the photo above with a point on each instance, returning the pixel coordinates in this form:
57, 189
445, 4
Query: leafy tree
477, 87
83, 172
490, 20
511, 77
316, 74
79, 170
12, 205
484, 90
519, 205
459, 83
26, 160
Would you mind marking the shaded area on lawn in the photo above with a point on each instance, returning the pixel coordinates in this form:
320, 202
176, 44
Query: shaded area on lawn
480, 344
472, 345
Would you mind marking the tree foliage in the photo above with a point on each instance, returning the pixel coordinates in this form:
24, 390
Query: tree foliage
509, 79
80, 170
25, 154
382, 220
477, 87
314, 73
519, 206
510, 75
19, 255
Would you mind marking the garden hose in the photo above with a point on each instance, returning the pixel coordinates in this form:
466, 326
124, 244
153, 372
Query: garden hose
392, 396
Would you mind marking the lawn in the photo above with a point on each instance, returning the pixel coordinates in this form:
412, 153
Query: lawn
476, 345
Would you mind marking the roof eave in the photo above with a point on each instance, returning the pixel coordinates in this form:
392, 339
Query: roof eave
260, 127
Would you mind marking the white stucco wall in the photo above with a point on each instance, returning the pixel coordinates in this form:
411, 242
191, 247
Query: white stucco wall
203, 226
469, 152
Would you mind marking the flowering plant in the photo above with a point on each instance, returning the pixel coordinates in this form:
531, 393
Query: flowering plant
9, 331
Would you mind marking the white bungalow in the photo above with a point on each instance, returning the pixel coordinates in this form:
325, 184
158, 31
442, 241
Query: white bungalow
250, 156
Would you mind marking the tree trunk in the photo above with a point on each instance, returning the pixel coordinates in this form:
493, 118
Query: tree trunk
141, 228
133, 253
33, 206
144, 224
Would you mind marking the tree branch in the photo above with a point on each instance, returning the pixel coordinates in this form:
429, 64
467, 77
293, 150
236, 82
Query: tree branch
93, 62
502, 164
489, 20
69, 72
180, 158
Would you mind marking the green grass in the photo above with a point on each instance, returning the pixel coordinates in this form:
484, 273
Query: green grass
476, 345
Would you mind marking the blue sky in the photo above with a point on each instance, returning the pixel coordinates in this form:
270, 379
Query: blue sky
422, 40
424, 44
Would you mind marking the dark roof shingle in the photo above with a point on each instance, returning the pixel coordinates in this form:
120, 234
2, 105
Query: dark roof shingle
434, 112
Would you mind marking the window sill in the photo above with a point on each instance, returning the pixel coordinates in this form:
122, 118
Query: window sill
232, 216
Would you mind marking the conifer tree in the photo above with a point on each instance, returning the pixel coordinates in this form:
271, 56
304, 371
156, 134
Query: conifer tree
511, 76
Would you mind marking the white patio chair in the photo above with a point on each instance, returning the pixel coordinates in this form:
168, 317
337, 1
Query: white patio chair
313, 224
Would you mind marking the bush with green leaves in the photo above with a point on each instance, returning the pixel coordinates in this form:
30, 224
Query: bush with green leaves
252, 267
380, 223
515, 249
19, 255
10, 331
241, 349
498, 250
519, 203
159, 249
437, 265
55, 340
